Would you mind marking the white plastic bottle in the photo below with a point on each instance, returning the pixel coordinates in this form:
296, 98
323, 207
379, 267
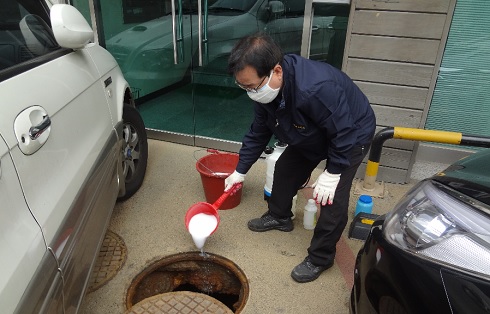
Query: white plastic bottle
271, 164
271, 159
309, 217
293, 207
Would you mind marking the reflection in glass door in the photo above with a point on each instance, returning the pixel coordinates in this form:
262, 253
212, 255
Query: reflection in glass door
224, 111
174, 55
335, 16
156, 57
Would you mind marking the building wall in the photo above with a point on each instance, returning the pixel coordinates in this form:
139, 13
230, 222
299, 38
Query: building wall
393, 52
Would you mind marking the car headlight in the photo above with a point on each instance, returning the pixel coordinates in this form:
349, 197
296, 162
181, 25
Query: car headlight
437, 223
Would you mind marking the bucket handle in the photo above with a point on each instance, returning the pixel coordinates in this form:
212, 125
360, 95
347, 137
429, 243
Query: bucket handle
225, 195
221, 175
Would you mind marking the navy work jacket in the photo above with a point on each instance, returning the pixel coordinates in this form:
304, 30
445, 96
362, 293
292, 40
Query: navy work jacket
319, 111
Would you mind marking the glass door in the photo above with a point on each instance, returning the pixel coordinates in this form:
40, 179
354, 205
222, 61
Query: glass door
327, 46
156, 48
224, 111
174, 55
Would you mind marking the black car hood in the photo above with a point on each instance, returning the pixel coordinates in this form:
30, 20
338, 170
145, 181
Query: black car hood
470, 176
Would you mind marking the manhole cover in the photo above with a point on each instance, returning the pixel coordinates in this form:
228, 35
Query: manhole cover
179, 302
112, 256
211, 275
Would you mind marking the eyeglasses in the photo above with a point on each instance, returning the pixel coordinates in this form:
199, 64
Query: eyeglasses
249, 89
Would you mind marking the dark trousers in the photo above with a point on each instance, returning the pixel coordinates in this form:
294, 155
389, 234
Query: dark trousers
291, 171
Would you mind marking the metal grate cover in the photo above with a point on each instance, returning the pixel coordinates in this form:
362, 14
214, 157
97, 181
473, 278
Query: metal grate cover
180, 302
112, 256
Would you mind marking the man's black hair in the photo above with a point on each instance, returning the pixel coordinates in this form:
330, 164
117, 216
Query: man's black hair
258, 51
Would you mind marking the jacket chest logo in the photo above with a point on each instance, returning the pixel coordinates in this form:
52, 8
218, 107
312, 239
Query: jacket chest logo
299, 127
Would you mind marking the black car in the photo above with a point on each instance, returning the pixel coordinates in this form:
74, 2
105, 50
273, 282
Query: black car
431, 253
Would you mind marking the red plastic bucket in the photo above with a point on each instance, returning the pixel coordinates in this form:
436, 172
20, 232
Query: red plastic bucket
214, 169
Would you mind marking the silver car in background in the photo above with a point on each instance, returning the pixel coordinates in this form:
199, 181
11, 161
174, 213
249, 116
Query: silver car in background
145, 52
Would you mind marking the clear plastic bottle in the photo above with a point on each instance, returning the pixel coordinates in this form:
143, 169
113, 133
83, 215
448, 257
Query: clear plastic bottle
309, 217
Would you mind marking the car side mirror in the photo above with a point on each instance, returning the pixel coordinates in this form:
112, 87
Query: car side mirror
276, 8
70, 28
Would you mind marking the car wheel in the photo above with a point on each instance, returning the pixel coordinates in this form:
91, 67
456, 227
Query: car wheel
134, 151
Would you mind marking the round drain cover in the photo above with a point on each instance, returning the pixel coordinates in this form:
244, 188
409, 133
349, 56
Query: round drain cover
112, 256
180, 302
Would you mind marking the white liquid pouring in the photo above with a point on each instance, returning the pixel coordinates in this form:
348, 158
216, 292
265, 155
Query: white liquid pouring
200, 227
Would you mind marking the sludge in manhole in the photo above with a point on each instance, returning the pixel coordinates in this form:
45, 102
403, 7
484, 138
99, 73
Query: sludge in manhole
212, 275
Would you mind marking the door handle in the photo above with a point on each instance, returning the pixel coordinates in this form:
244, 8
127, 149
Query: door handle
314, 28
177, 33
37, 130
174, 32
202, 29
32, 128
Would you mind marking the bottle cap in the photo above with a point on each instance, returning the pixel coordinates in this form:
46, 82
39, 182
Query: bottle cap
365, 198
311, 201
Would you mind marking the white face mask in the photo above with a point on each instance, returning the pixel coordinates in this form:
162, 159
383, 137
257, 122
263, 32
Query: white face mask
265, 94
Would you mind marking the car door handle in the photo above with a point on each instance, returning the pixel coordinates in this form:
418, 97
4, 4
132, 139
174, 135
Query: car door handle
314, 28
32, 128
37, 130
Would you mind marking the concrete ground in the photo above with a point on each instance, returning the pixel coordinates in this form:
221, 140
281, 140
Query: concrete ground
151, 224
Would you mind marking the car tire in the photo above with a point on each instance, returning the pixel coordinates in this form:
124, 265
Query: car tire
134, 151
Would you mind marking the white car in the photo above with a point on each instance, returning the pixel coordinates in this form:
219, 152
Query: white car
71, 144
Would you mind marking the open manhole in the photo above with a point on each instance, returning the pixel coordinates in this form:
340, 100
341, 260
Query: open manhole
212, 275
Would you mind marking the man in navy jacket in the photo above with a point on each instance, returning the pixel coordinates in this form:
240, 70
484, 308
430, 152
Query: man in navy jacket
322, 115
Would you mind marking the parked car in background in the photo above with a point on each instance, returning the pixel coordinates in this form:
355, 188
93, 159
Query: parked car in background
71, 144
431, 253
145, 52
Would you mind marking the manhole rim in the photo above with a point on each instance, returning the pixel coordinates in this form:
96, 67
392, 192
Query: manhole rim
191, 256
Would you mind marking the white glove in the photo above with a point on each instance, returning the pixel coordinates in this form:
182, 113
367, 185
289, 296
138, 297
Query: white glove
324, 187
233, 179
